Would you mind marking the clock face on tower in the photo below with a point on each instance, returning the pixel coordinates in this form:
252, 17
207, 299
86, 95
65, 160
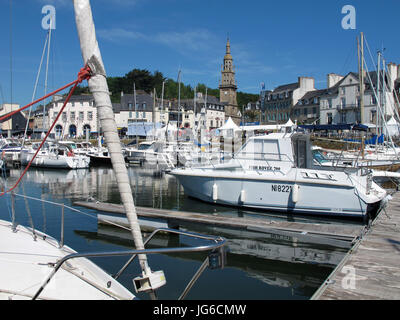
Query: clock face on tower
226, 92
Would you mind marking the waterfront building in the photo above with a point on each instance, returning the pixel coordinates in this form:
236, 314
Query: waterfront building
228, 87
208, 114
78, 119
340, 103
307, 108
127, 112
14, 125
277, 105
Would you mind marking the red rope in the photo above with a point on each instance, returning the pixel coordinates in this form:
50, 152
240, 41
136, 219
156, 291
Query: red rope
84, 74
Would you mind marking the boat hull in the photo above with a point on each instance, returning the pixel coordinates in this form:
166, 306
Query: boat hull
56, 162
275, 195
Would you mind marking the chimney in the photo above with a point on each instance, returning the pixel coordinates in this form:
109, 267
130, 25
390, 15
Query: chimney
333, 79
306, 83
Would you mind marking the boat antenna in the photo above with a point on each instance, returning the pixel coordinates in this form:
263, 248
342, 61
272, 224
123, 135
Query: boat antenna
99, 88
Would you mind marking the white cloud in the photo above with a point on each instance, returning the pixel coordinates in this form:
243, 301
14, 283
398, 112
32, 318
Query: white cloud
119, 34
183, 42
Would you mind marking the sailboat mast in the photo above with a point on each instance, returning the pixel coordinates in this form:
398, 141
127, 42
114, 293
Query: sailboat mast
136, 117
378, 90
362, 79
99, 88
47, 72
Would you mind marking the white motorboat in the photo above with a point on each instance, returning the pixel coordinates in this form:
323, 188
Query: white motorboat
276, 172
54, 156
151, 153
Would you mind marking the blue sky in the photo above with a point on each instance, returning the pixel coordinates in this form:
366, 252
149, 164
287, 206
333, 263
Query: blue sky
271, 41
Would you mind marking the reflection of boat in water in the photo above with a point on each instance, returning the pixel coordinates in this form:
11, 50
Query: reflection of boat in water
273, 262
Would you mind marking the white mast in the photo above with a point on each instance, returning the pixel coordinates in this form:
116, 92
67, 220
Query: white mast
99, 88
47, 71
136, 117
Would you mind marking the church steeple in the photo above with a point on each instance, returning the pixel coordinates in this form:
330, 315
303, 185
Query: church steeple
228, 47
228, 83
227, 86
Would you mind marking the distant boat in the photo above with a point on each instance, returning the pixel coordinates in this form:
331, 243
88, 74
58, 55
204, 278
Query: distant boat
151, 153
57, 156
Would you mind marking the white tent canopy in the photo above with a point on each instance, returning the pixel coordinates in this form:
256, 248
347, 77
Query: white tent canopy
229, 128
288, 124
392, 127
272, 127
229, 125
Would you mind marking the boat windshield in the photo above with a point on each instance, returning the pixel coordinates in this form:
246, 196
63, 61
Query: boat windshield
144, 146
319, 156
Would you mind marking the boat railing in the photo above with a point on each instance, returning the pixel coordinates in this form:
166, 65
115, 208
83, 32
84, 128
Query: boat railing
216, 259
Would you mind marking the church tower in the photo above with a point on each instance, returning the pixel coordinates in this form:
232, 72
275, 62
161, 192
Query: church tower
228, 86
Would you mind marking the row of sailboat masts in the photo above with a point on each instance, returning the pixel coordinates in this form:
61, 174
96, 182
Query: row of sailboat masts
379, 92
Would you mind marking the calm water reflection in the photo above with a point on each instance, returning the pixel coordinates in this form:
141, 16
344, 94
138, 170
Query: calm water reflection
260, 266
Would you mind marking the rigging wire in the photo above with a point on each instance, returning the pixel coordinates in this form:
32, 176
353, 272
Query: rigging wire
84, 74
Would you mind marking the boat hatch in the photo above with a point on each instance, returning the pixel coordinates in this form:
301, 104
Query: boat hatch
315, 175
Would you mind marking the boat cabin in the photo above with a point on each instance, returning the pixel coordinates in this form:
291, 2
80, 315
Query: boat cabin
293, 148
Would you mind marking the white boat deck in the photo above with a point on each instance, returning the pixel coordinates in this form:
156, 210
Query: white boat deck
26, 263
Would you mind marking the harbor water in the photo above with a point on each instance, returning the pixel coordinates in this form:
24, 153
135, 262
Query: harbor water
260, 266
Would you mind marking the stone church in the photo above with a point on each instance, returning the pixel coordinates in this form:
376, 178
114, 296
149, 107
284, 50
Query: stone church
228, 87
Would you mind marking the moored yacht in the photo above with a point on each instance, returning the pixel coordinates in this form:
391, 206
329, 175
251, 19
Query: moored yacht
54, 156
276, 172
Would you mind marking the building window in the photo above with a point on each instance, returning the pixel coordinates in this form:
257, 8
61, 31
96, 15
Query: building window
330, 103
90, 115
343, 117
343, 102
343, 90
373, 116
329, 118
64, 116
72, 116
81, 115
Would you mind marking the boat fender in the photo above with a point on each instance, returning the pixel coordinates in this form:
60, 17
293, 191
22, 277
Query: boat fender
70, 154
215, 192
295, 193
242, 196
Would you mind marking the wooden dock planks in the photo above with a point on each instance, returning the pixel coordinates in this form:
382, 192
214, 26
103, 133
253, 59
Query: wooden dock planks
371, 270
332, 233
